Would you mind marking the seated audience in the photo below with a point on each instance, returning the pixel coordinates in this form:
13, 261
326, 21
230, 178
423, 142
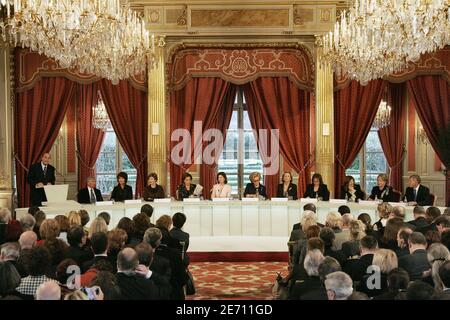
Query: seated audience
64, 273
416, 262
287, 189
147, 210
97, 225
382, 191
444, 275
351, 191
84, 218
442, 223
107, 282
417, 194
134, 280
40, 217
307, 207
164, 223
327, 266
141, 224
74, 219
27, 241
122, 191
344, 209
9, 281
221, 189
90, 194
344, 234
10, 253
334, 222
106, 216
389, 238
153, 190
402, 240
339, 286
77, 241
117, 239
367, 221
398, 212
374, 282
255, 189
351, 247
397, 281
58, 251
10, 228
49, 290
177, 233
328, 236
63, 223
308, 219
33, 209
186, 188
356, 268
313, 259
27, 222
127, 225
419, 290
38, 266
300, 247
160, 264
317, 189
49, 230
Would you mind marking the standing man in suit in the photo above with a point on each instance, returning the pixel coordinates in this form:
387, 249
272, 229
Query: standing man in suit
417, 194
90, 194
39, 175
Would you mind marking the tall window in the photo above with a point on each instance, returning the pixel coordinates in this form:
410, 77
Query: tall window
240, 154
112, 160
369, 163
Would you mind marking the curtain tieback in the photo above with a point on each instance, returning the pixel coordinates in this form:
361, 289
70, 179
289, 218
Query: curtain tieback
308, 163
141, 162
340, 162
20, 162
82, 161
402, 158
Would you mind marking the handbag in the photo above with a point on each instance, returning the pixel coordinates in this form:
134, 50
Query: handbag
190, 287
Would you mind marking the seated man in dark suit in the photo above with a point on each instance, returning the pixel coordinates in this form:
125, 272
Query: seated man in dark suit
357, 268
135, 280
76, 237
312, 282
416, 262
420, 219
431, 214
99, 245
90, 194
39, 175
179, 219
178, 271
417, 194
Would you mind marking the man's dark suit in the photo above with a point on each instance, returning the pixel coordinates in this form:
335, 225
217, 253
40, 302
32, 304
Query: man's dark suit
303, 287
161, 266
415, 264
90, 263
178, 276
422, 198
36, 175
136, 287
79, 254
357, 268
84, 196
419, 223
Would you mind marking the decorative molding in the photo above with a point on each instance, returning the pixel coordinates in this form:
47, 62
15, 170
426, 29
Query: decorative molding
240, 63
182, 19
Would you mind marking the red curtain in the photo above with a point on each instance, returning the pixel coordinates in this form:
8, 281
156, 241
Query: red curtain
355, 108
277, 103
89, 139
38, 116
431, 96
127, 109
210, 101
392, 137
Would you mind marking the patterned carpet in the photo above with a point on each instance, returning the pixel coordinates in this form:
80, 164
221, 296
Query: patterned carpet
235, 280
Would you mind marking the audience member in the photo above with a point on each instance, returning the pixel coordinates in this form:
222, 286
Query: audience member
397, 281
344, 234
99, 245
419, 290
313, 259
384, 211
416, 262
27, 222
148, 211
127, 225
141, 224
106, 216
402, 240
98, 225
49, 290
420, 218
398, 212
344, 210
444, 275
107, 282
328, 236
351, 247
117, 238
339, 286
74, 219
437, 255
77, 240
9, 280
64, 226
356, 268
389, 237
84, 218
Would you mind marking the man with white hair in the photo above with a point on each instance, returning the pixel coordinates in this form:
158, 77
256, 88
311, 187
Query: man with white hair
27, 241
49, 290
39, 175
298, 233
339, 286
344, 234
90, 194
313, 259
10, 252
9, 228
27, 222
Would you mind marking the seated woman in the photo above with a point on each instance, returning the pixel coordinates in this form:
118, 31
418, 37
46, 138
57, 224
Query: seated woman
317, 189
153, 190
122, 191
351, 191
287, 189
382, 191
254, 189
187, 188
221, 189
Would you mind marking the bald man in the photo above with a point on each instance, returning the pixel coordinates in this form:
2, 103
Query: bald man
49, 290
39, 175
27, 240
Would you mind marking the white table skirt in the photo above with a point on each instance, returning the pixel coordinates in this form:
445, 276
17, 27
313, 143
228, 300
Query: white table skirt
233, 218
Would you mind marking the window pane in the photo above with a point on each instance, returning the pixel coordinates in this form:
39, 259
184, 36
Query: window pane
375, 162
373, 142
106, 183
130, 170
354, 170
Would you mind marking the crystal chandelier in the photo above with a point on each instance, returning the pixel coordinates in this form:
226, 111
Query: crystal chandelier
378, 37
383, 116
93, 36
100, 118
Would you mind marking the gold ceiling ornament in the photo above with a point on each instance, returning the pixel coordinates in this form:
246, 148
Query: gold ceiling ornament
375, 38
100, 37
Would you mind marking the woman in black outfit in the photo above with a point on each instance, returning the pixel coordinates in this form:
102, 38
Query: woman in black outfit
122, 191
187, 188
287, 189
382, 191
153, 190
317, 189
351, 191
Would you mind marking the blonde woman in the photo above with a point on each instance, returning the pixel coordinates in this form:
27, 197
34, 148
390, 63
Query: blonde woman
382, 191
98, 225
255, 188
384, 211
437, 255
357, 230
375, 282
74, 219
334, 221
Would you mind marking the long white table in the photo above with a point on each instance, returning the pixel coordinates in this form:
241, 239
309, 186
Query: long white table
232, 218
